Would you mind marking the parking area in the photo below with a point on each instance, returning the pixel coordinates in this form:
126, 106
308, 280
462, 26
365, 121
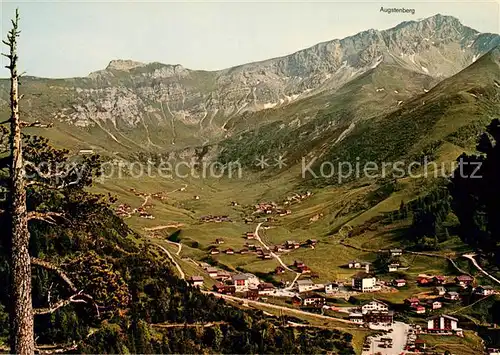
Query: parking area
393, 342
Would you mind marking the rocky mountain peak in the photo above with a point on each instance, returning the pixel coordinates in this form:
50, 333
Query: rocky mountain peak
123, 64
202, 103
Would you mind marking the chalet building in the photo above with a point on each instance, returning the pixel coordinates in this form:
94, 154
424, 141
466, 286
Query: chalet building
356, 318
296, 300
440, 290
435, 305
225, 289
229, 251
354, 265
219, 241
412, 302
374, 305
223, 275
266, 255
250, 235
332, 288
312, 242
314, 301
420, 344
399, 283
279, 270
463, 280
212, 272
442, 324
484, 290
298, 264
419, 310
214, 251
423, 281
452, 296
291, 244
386, 317
252, 294
393, 267
243, 282
305, 285
196, 281
396, 252
365, 282
305, 269
244, 251
266, 286
279, 248
438, 280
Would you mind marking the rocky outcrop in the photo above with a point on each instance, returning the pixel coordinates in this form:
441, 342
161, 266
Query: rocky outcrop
155, 97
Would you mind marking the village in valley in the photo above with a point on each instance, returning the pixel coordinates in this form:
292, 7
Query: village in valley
366, 294
429, 308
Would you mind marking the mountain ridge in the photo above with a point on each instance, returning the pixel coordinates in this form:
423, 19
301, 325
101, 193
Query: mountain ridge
156, 106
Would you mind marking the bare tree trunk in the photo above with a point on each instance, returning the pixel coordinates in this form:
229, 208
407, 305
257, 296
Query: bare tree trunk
21, 315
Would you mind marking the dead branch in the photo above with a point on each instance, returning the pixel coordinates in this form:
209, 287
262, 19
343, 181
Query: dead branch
47, 265
79, 297
44, 216
60, 348
49, 186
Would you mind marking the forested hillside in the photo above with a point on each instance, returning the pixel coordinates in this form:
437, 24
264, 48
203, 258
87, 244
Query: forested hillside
98, 289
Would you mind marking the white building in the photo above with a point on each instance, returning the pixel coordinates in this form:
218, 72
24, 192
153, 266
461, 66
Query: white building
356, 318
212, 271
374, 305
305, 285
242, 282
440, 290
396, 252
318, 301
196, 281
332, 288
392, 267
365, 283
484, 290
442, 323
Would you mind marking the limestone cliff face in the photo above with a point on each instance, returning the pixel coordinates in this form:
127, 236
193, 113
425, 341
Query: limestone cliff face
182, 102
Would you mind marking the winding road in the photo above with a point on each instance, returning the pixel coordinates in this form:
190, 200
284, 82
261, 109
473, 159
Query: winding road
476, 264
181, 273
257, 236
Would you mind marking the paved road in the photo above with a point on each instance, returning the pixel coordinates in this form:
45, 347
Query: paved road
292, 310
399, 337
471, 258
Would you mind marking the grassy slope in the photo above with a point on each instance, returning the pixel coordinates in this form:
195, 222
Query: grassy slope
450, 113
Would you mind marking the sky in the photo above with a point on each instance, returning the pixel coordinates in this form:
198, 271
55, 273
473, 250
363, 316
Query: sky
68, 38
